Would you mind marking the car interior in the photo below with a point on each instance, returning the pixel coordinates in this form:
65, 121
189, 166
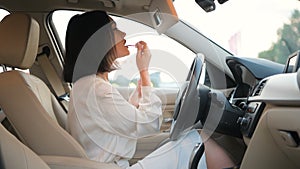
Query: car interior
249, 106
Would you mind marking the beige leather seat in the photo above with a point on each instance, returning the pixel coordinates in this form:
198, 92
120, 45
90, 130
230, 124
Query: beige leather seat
15, 155
27, 102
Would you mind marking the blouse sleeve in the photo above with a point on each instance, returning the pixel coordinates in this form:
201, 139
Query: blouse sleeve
134, 98
121, 117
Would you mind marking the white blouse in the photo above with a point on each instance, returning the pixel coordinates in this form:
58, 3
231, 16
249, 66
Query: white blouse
107, 125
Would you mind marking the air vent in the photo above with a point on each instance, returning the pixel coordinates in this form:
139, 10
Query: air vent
259, 88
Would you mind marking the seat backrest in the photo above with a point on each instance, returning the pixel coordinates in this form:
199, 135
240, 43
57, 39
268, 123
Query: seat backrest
27, 102
14, 154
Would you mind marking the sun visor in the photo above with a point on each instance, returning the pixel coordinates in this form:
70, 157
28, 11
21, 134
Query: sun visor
161, 15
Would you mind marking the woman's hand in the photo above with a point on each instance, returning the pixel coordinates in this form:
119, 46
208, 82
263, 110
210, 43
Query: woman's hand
143, 57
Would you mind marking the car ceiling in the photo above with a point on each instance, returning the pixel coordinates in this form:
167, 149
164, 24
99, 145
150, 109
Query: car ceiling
120, 7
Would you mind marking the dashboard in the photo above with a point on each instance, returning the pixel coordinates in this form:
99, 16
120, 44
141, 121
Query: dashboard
261, 86
268, 94
259, 83
247, 73
262, 110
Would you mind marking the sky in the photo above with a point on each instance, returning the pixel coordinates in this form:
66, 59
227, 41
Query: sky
256, 21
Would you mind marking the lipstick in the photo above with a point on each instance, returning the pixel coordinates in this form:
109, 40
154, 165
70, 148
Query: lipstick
130, 45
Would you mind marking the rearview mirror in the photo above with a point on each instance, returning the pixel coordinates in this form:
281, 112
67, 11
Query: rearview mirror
209, 5
206, 5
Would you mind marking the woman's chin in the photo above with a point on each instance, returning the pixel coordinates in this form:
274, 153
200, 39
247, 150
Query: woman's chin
124, 54
127, 53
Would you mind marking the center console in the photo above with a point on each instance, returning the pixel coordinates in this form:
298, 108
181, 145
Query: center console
248, 123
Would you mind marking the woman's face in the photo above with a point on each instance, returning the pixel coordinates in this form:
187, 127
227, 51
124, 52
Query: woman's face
121, 49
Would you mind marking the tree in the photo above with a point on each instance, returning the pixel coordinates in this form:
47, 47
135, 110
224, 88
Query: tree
287, 43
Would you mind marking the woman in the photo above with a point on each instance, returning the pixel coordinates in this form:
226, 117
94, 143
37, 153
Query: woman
99, 118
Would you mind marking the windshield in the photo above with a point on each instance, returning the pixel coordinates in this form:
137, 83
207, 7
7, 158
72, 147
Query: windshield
258, 28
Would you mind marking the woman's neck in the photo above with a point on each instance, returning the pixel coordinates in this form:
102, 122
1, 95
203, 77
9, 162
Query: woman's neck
103, 75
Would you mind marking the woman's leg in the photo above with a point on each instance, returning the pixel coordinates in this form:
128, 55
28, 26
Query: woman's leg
216, 157
172, 155
176, 154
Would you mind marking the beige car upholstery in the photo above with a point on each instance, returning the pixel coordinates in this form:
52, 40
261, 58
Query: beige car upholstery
15, 155
27, 102
60, 162
273, 144
19, 41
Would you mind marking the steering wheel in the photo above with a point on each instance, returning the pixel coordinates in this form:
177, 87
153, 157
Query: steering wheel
188, 101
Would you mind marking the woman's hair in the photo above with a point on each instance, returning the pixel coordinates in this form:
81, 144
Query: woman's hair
80, 30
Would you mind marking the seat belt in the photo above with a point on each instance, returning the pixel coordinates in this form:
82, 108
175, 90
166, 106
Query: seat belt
52, 77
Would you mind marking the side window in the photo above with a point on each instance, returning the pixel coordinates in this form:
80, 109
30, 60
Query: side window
60, 20
3, 13
170, 60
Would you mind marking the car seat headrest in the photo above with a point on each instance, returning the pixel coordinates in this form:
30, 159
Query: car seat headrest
19, 40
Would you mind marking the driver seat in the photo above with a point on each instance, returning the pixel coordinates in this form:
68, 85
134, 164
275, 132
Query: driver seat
27, 102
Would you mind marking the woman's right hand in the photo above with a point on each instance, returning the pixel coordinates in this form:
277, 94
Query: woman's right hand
143, 56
